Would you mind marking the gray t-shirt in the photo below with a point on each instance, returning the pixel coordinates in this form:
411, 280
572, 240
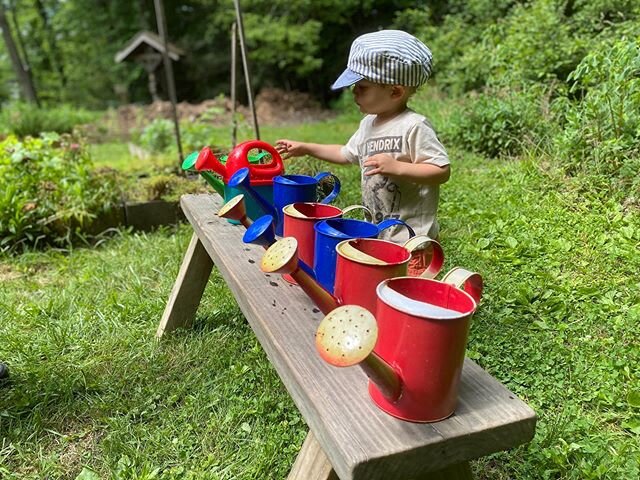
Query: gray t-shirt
409, 137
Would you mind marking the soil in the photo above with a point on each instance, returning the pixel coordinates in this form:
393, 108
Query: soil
273, 107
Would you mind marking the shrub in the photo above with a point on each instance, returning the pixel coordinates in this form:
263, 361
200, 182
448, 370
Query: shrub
22, 119
535, 43
601, 113
195, 135
48, 190
498, 122
158, 136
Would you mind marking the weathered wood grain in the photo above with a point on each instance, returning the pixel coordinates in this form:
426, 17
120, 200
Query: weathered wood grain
361, 441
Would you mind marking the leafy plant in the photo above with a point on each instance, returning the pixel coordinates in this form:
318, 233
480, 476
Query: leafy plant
498, 122
49, 190
158, 135
601, 113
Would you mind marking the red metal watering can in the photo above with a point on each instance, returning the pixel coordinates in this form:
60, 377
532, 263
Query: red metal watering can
299, 221
413, 348
362, 264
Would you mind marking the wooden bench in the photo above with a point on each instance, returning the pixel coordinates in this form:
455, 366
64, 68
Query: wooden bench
349, 437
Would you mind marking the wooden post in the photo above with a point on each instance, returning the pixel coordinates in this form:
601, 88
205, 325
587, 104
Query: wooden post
234, 120
245, 65
188, 288
168, 70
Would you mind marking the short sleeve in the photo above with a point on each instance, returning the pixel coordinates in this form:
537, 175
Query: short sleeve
424, 146
350, 150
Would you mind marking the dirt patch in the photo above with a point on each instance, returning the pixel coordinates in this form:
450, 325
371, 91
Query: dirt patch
273, 107
77, 449
7, 273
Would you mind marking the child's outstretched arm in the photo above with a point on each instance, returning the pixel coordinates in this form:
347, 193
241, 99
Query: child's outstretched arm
422, 173
291, 148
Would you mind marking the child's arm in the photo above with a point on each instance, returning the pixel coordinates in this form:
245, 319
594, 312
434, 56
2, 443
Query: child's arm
421, 173
291, 148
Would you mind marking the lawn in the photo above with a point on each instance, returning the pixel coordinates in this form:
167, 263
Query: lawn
92, 393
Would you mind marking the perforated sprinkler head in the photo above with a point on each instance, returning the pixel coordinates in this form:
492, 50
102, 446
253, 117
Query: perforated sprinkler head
346, 336
281, 257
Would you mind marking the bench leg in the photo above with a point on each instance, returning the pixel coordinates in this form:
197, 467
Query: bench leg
311, 463
187, 291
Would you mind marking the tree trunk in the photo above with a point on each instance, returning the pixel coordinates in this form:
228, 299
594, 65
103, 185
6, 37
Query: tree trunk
22, 50
24, 80
54, 51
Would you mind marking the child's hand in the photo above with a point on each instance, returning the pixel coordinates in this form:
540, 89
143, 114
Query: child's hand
290, 148
381, 163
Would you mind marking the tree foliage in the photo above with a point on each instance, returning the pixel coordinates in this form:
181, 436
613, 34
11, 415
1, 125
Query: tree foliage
299, 44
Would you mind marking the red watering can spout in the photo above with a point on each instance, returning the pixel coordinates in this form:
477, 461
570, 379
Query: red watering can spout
207, 161
282, 257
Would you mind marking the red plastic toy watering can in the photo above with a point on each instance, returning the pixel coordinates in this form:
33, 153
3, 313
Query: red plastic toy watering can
413, 348
260, 174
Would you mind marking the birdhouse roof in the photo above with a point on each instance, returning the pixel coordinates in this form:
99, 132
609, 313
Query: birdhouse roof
140, 43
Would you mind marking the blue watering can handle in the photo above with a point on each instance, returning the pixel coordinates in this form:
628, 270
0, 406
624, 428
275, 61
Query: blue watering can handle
367, 213
390, 222
336, 186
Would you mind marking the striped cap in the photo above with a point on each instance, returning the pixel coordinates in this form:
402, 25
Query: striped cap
391, 57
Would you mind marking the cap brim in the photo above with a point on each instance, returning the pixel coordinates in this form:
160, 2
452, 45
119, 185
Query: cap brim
348, 78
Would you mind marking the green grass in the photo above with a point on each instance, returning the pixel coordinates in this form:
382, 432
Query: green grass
116, 155
92, 388
558, 324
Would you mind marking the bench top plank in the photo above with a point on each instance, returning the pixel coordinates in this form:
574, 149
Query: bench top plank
359, 439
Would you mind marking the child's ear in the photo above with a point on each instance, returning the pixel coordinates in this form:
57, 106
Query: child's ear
397, 91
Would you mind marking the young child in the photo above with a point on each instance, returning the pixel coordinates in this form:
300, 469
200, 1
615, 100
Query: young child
402, 161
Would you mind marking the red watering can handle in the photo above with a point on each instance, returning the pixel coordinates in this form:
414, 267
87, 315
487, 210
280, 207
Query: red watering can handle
470, 282
422, 242
260, 170
367, 213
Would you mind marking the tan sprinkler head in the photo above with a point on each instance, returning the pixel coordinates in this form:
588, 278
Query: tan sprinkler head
281, 257
235, 209
346, 336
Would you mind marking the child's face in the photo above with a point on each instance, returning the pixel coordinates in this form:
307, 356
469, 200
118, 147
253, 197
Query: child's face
378, 99
373, 98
